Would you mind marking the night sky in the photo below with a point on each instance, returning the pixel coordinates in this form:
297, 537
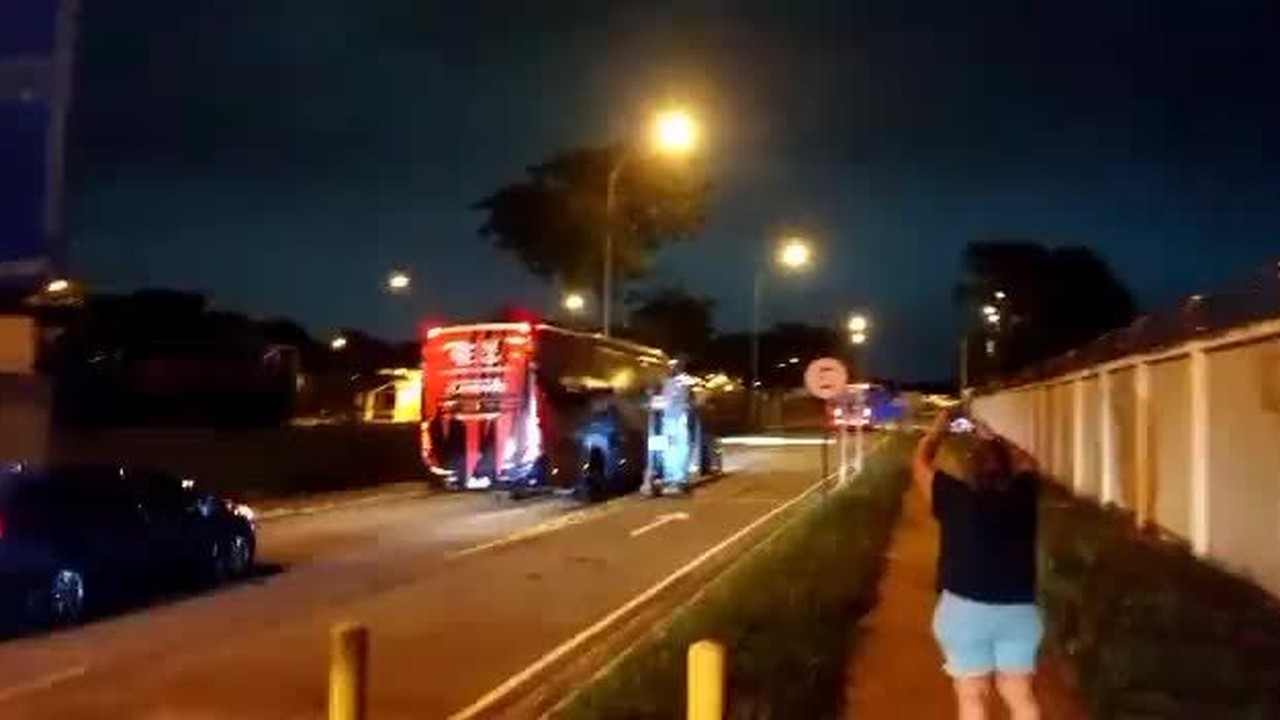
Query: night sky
283, 155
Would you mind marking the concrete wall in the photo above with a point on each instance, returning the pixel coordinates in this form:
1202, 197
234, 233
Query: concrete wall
1188, 438
257, 462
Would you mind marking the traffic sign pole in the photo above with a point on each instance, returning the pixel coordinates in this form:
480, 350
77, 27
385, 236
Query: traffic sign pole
827, 379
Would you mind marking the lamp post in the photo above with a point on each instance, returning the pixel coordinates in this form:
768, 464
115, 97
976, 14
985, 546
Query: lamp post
793, 254
675, 132
858, 327
398, 282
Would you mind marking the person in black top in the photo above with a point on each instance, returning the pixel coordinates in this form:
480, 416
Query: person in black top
986, 622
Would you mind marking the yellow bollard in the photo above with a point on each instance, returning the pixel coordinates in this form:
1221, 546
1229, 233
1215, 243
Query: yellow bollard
706, 680
348, 671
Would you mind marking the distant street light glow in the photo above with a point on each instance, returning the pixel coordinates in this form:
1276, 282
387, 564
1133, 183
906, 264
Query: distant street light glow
989, 310
675, 131
574, 302
398, 281
338, 343
57, 286
795, 253
1000, 295
858, 338
994, 318
858, 323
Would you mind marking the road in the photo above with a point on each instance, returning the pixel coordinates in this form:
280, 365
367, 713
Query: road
461, 594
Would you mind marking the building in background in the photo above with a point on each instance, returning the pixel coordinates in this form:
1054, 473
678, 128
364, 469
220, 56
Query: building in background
37, 38
397, 398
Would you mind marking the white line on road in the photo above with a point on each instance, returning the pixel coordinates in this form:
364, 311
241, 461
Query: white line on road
44, 682
659, 522
489, 699
561, 522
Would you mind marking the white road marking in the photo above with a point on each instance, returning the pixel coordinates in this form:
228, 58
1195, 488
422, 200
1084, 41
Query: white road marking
576, 517
44, 682
477, 708
659, 522
489, 699
774, 441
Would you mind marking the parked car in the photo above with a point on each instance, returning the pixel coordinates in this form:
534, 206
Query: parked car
72, 537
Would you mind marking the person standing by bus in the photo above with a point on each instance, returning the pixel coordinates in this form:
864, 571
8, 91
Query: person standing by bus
986, 622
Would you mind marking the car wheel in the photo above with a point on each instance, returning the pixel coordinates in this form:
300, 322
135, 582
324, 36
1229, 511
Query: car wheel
595, 480
238, 555
60, 600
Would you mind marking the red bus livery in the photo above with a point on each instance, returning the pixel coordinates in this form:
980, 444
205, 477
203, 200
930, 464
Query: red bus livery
524, 406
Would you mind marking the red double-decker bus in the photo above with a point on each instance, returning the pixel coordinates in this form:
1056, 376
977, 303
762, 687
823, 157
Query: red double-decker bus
528, 406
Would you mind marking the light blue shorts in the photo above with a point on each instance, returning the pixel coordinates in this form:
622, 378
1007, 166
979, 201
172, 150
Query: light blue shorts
981, 638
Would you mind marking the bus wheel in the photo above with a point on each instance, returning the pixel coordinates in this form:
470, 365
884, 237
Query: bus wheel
595, 480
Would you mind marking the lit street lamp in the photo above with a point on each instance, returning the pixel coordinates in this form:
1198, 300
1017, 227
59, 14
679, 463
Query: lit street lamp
574, 302
858, 323
338, 343
398, 282
675, 132
58, 286
793, 254
858, 338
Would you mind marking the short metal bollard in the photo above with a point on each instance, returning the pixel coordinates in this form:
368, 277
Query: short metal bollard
348, 671
706, 681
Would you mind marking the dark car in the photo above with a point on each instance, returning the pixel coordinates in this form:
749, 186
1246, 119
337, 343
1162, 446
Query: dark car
73, 537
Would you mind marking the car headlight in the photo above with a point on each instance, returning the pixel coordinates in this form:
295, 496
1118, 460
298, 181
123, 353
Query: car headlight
241, 510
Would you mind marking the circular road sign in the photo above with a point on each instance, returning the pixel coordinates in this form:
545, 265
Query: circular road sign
826, 378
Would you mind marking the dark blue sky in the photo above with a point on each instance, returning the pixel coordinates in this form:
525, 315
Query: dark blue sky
284, 154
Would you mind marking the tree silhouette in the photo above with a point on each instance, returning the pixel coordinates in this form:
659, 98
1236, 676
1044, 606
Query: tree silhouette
554, 219
1049, 301
672, 319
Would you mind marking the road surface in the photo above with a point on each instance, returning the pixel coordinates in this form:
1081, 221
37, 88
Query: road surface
461, 595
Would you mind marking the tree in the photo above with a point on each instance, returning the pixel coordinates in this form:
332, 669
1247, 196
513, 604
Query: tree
672, 319
554, 219
1048, 300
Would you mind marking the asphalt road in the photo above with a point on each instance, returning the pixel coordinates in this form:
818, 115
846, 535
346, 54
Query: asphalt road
461, 594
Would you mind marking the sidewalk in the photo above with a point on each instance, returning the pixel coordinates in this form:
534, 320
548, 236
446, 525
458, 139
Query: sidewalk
897, 669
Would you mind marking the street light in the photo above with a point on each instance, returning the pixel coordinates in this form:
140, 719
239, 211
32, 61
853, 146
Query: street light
858, 338
57, 286
338, 343
858, 323
675, 132
574, 302
398, 281
793, 254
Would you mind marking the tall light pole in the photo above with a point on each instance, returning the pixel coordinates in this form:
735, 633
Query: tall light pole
675, 132
858, 327
793, 254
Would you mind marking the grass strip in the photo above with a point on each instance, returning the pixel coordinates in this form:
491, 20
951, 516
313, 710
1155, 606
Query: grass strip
784, 612
1151, 630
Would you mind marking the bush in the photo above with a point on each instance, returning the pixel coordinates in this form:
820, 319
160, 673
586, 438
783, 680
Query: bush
1151, 630
784, 613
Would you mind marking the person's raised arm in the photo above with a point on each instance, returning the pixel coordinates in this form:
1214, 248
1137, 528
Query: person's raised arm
1022, 461
923, 464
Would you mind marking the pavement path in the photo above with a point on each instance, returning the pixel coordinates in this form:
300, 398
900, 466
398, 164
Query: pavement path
896, 670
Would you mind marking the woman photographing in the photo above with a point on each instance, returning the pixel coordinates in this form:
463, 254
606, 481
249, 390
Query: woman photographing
986, 622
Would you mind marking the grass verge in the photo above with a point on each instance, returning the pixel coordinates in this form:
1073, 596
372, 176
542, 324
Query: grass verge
783, 612
1150, 630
